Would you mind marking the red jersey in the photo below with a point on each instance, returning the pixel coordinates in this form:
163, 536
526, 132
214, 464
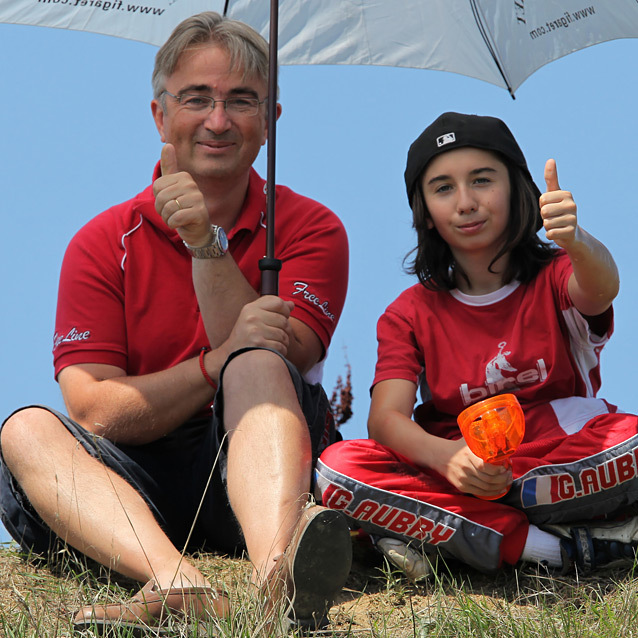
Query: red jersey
126, 296
524, 338
577, 460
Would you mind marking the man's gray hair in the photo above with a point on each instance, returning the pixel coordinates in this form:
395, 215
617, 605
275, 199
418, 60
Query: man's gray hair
247, 49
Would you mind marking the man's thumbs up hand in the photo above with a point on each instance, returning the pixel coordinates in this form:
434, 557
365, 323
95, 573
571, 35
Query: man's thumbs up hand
168, 162
180, 202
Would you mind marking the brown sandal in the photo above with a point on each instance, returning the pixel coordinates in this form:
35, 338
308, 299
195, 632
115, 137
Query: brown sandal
313, 569
151, 607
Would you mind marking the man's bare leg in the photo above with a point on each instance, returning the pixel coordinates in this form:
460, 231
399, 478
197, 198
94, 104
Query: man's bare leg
90, 507
269, 455
301, 557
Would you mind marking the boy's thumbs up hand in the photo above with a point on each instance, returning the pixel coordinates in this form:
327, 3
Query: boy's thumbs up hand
551, 176
558, 210
180, 202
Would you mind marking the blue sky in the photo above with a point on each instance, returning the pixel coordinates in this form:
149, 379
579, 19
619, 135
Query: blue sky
78, 137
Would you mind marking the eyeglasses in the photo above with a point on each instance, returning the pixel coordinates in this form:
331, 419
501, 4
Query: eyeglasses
243, 106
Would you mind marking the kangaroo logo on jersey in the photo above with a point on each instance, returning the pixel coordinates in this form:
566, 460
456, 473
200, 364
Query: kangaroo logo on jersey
494, 368
501, 375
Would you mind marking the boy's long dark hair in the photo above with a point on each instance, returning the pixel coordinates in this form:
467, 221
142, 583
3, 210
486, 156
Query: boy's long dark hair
434, 264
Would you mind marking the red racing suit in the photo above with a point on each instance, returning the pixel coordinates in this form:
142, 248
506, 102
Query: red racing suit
579, 457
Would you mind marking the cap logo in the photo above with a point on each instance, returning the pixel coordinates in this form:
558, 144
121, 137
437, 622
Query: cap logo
447, 138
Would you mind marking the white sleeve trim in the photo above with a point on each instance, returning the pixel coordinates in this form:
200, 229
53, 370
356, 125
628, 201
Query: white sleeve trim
584, 345
573, 412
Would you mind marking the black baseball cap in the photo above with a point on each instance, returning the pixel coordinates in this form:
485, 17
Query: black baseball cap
455, 130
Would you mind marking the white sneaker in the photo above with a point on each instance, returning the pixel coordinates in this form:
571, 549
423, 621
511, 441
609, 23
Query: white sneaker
414, 564
625, 531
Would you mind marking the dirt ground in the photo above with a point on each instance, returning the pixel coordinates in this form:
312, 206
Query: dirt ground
375, 602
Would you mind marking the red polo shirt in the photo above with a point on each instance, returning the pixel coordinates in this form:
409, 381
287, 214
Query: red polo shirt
126, 295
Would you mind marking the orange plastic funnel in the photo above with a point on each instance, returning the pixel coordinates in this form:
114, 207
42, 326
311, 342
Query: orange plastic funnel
493, 428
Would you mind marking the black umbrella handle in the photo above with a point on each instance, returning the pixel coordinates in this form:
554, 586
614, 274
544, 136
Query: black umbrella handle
270, 266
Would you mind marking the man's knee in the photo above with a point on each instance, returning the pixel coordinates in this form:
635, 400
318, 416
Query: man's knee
24, 431
15, 431
247, 366
259, 378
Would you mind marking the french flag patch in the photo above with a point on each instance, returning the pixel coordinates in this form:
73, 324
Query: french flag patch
538, 491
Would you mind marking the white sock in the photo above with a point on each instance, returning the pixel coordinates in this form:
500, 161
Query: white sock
542, 547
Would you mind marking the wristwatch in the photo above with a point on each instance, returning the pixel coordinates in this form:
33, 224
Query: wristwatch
217, 247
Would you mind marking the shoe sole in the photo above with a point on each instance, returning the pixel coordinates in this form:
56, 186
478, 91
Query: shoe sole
320, 567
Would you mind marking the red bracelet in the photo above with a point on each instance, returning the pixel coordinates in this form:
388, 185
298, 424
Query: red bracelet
202, 367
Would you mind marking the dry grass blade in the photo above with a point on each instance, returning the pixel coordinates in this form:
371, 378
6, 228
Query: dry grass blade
377, 602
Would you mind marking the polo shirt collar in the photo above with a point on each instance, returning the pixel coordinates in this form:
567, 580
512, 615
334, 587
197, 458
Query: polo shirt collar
253, 212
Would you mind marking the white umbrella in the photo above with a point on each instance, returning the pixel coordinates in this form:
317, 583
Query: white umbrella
499, 41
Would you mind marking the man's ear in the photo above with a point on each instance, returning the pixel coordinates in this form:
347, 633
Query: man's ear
279, 109
158, 117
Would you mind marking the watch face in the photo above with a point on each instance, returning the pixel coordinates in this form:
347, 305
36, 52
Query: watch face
222, 239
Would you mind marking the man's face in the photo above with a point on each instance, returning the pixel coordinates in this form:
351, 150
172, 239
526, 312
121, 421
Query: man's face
211, 144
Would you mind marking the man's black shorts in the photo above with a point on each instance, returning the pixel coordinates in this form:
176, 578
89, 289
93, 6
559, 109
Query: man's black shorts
171, 474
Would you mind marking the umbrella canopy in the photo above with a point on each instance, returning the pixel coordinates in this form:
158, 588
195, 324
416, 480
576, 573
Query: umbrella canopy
499, 41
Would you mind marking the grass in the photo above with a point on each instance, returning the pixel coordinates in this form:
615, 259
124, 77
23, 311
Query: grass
377, 602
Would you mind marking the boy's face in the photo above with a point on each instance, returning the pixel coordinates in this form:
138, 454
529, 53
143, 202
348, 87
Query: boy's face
467, 193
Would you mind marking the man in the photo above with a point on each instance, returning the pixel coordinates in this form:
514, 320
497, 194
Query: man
158, 305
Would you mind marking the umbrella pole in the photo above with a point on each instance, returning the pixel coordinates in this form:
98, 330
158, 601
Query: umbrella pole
269, 265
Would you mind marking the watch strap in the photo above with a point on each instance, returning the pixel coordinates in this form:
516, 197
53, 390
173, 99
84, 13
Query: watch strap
215, 248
